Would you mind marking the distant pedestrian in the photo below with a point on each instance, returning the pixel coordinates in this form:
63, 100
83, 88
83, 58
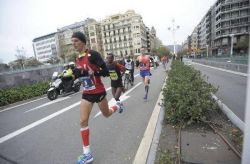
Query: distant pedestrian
164, 61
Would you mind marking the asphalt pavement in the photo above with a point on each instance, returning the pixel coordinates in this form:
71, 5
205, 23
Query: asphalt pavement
231, 87
43, 131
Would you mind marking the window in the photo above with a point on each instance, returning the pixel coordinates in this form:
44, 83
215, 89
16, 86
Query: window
93, 40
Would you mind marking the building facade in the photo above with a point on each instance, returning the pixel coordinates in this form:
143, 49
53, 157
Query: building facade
225, 21
95, 37
194, 41
120, 34
232, 22
67, 52
151, 37
46, 47
123, 34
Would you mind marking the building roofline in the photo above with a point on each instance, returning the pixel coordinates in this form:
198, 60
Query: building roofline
39, 38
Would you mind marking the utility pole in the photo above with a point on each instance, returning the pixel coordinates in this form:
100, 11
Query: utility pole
173, 29
207, 50
232, 45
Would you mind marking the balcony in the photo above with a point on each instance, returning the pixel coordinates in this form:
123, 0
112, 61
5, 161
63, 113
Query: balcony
227, 10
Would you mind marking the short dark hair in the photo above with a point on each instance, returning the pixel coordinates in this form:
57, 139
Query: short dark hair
111, 54
79, 35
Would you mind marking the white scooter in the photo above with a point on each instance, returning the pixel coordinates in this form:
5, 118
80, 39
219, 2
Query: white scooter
57, 87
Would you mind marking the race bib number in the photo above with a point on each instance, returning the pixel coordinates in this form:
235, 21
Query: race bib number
87, 83
113, 75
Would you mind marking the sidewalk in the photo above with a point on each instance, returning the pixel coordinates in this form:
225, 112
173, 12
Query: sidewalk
197, 146
198, 143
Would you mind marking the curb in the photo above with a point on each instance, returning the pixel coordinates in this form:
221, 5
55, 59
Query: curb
149, 134
143, 150
153, 149
232, 117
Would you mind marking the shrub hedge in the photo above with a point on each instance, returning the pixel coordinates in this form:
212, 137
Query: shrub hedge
12, 95
187, 96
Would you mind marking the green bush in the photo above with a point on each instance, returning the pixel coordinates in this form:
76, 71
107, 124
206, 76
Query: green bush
12, 95
187, 96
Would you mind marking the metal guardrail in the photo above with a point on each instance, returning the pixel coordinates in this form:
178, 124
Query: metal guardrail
222, 64
235, 58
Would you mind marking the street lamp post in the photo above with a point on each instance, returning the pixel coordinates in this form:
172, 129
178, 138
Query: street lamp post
173, 31
207, 50
232, 44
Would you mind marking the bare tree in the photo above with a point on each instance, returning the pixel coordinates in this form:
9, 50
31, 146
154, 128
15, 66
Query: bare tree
21, 56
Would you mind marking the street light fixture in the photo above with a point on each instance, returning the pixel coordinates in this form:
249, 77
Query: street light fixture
173, 31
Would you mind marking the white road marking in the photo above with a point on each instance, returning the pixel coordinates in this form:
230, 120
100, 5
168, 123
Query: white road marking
46, 104
43, 98
225, 70
122, 98
34, 124
21, 104
144, 147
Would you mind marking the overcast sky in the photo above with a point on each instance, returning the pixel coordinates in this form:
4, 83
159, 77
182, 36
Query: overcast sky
23, 20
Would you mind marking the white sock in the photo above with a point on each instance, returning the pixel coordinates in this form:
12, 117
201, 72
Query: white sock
86, 149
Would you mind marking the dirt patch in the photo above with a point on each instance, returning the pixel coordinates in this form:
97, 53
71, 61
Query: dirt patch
167, 147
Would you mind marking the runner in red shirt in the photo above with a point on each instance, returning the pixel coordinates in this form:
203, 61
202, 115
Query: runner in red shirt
143, 62
90, 67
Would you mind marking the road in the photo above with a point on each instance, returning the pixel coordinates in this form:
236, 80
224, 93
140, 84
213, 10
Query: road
44, 131
231, 87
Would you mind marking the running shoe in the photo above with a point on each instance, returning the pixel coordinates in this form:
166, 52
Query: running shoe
145, 97
121, 106
85, 158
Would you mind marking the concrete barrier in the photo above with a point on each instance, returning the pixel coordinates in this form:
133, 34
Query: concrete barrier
9, 79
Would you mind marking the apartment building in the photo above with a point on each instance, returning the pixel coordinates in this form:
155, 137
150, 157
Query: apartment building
67, 51
123, 34
95, 36
225, 21
151, 37
45, 47
194, 41
232, 22
202, 34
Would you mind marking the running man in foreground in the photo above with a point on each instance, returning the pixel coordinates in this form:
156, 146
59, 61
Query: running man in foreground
143, 62
91, 67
